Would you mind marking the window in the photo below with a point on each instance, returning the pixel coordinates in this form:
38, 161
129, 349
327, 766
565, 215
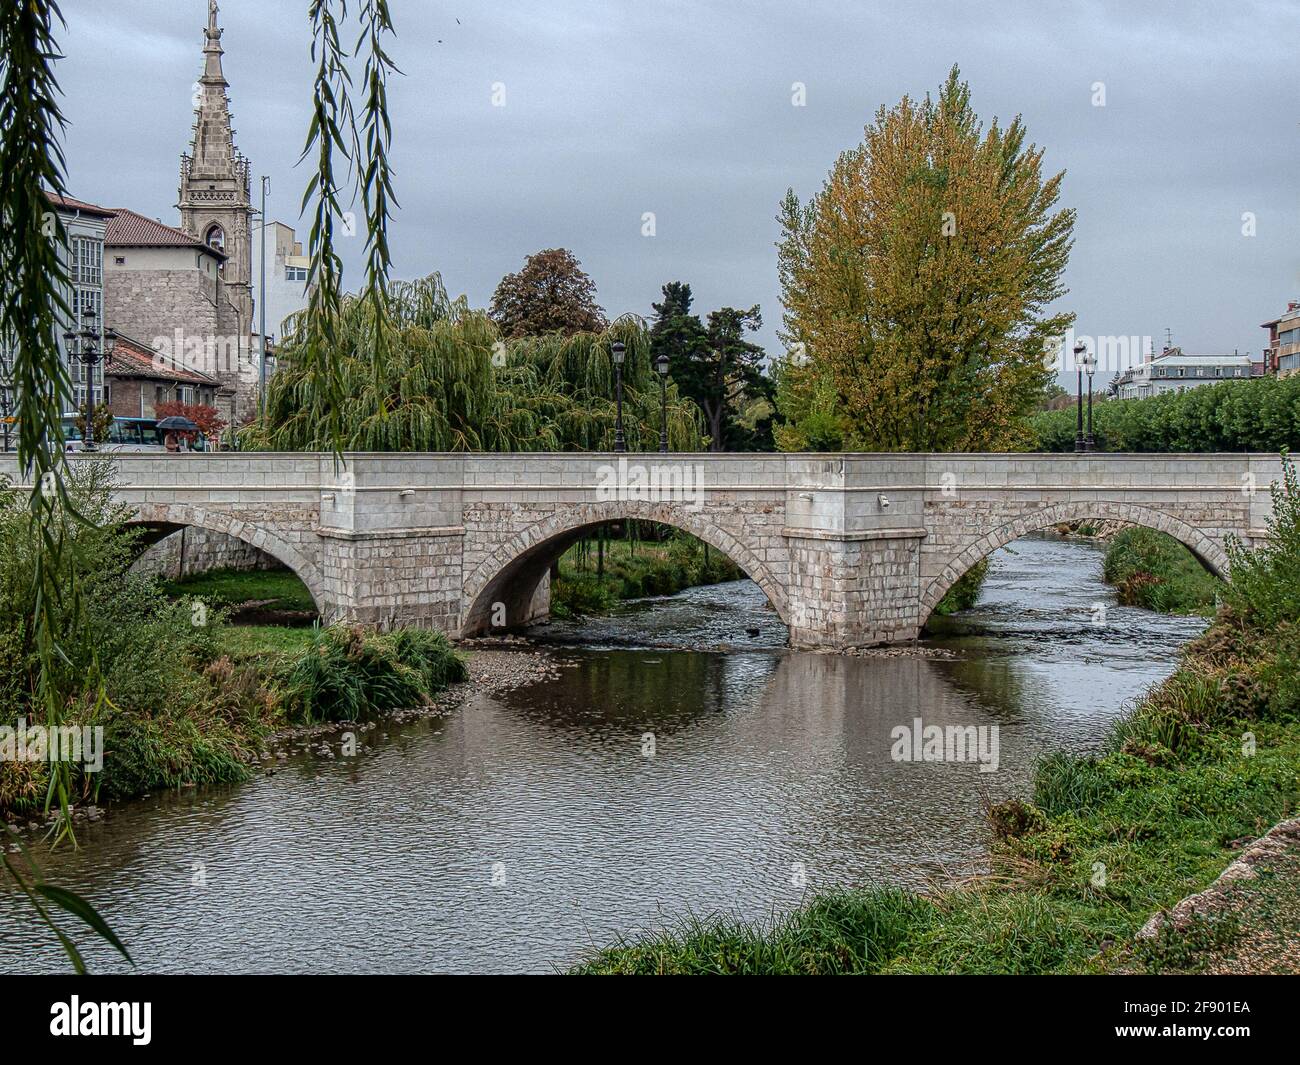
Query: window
185, 393
215, 238
119, 260
158, 393
295, 273
87, 261
88, 299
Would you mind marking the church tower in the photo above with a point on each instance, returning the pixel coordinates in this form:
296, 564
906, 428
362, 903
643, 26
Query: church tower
215, 189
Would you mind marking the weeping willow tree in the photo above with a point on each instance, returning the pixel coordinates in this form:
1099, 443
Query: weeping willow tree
447, 381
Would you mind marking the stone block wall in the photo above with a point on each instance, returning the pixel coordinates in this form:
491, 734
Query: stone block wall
192, 551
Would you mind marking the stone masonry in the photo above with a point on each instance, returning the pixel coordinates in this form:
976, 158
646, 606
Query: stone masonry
850, 549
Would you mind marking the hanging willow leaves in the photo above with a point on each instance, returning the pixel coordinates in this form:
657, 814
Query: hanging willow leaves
449, 383
331, 115
35, 285
376, 176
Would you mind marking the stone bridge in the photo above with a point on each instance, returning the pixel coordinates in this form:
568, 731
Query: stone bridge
851, 549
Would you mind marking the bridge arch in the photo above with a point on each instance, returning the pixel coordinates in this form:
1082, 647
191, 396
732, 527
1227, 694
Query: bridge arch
162, 519
1210, 552
511, 573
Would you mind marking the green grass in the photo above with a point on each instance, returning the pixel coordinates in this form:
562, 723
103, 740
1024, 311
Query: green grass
1153, 570
251, 642
1161, 834
229, 587
345, 673
634, 570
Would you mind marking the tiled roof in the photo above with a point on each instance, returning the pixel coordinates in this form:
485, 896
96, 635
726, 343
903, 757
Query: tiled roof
130, 230
133, 359
69, 204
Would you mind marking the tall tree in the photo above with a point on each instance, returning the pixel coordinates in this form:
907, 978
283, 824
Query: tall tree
714, 365
551, 294
916, 284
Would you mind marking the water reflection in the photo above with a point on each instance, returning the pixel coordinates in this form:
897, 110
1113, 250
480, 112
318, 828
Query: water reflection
528, 826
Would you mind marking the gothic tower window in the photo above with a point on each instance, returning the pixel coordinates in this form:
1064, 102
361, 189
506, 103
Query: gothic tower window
215, 238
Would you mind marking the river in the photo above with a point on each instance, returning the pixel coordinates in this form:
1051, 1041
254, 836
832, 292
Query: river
679, 764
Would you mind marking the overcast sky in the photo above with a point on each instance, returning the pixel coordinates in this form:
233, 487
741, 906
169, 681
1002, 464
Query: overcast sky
684, 109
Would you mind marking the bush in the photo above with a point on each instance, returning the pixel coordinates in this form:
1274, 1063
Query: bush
1153, 570
966, 592
346, 673
1261, 414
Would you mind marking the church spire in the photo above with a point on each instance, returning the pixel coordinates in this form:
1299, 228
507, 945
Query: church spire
212, 51
215, 194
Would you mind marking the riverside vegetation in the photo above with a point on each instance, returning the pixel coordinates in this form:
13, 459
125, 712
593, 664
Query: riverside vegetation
1261, 414
1153, 570
595, 576
1206, 760
183, 698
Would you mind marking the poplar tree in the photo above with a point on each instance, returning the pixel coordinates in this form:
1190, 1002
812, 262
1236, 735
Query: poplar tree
917, 283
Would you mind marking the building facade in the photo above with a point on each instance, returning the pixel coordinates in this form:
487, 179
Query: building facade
1282, 356
286, 276
140, 378
1174, 371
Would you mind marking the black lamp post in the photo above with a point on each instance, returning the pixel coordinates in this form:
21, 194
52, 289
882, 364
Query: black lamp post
619, 352
84, 346
1080, 352
1089, 367
661, 364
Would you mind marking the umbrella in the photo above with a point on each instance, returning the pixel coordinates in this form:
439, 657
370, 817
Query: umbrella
177, 424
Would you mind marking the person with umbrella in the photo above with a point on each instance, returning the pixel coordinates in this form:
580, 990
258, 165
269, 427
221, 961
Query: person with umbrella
177, 429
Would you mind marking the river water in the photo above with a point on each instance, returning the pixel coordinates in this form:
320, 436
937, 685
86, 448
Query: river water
680, 764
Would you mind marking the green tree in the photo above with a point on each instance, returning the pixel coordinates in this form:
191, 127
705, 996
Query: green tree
716, 367
551, 294
916, 284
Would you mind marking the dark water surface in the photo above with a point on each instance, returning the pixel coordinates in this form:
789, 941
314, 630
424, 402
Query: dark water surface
526, 828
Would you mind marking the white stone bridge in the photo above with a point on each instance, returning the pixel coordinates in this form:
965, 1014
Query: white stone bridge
851, 549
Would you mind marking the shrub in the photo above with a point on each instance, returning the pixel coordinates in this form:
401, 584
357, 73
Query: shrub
347, 672
1151, 569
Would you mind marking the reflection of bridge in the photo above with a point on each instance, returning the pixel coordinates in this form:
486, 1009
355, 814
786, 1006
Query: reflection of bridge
850, 549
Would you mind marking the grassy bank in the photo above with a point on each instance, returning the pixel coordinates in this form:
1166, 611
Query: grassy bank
183, 697
634, 569
1207, 760
273, 589
1153, 570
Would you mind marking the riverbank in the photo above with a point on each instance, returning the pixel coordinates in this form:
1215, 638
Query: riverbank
595, 575
1154, 571
1074, 872
1208, 760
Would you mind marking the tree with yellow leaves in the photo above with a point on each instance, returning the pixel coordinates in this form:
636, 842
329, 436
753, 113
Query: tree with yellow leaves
916, 285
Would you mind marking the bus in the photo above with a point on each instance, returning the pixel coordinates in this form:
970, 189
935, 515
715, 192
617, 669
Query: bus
128, 435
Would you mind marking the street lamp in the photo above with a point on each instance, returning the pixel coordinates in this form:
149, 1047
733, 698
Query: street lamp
661, 364
1089, 367
619, 352
84, 345
1080, 353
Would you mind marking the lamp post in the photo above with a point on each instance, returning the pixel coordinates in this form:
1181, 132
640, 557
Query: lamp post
619, 354
661, 364
261, 310
1089, 367
89, 345
1080, 352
